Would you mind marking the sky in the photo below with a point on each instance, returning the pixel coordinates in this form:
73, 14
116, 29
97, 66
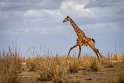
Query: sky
36, 26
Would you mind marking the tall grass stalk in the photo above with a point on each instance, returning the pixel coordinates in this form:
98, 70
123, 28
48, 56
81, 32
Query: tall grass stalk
10, 64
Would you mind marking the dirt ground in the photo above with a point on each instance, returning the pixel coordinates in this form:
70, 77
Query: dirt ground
104, 75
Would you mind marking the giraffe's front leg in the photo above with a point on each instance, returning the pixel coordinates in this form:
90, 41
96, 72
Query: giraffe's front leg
79, 52
71, 49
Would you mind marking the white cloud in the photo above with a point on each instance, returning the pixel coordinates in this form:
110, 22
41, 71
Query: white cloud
73, 8
67, 7
35, 13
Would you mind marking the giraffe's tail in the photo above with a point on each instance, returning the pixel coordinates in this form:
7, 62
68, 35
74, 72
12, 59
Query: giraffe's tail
93, 40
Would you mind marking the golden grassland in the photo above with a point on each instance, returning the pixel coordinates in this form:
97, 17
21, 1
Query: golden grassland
56, 69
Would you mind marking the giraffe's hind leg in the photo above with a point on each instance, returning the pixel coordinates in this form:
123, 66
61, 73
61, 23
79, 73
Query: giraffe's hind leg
92, 46
71, 49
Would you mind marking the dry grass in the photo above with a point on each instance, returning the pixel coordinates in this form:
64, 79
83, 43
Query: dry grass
116, 57
52, 68
108, 63
119, 79
31, 64
94, 64
9, 66
73, 65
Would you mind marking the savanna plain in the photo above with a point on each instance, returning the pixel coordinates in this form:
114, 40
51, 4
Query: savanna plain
15, 68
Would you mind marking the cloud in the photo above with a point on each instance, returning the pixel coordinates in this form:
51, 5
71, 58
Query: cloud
104, 3
41, 8
75, 9
34, 14
109, 9
13, 5
18, 10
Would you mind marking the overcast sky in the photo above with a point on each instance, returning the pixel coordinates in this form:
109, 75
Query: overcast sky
36, 25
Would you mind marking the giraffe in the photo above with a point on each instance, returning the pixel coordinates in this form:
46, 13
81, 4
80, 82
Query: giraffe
82, 39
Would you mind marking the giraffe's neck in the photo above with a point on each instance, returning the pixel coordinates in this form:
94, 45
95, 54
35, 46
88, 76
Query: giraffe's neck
77, 30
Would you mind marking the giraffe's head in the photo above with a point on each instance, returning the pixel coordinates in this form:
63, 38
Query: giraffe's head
67, 19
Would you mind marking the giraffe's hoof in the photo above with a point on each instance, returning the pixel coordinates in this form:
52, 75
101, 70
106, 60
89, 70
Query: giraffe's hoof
67, 58
78, 57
